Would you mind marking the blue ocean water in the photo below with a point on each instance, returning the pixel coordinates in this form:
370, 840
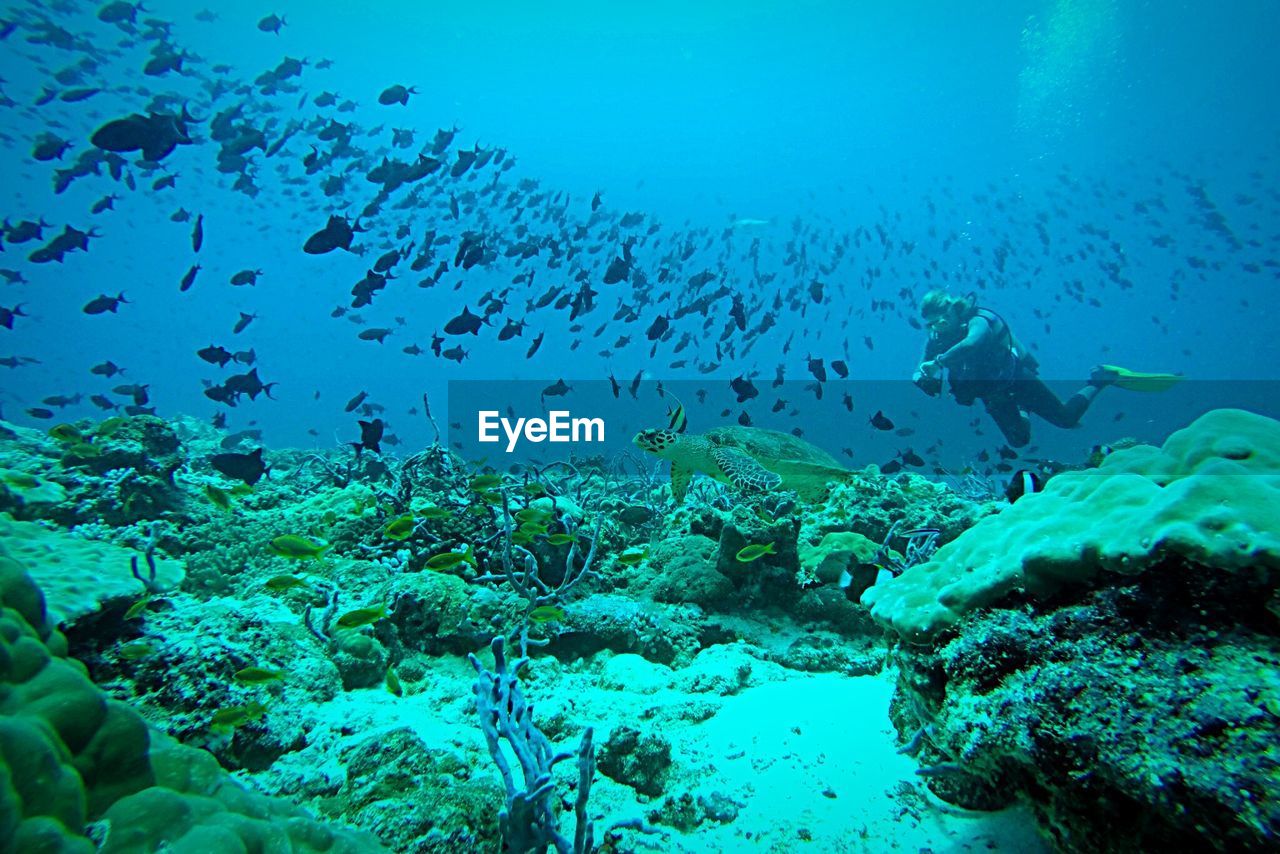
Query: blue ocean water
945, 143
707, 213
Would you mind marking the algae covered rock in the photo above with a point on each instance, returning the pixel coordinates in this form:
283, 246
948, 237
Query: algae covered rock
25, 488
1141, 715
141, 442
683, 569
637, 759
433, 612
361, 660
635, 674
420, 797
726, 670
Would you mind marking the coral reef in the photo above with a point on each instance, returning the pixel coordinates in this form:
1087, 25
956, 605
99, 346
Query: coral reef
73, 757
312, 634
1106, 651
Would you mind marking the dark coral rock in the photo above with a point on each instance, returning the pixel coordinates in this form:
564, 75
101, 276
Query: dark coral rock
1138, 715
639, 760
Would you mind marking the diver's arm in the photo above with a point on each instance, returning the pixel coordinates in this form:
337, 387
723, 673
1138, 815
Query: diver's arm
930, 353
979, 331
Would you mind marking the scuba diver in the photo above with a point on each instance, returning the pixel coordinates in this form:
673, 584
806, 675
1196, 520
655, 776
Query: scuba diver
984, 360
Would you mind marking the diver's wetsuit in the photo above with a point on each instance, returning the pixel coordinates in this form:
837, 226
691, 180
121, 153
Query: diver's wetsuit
999, 372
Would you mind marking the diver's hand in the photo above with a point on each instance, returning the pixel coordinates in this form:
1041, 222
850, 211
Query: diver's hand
927, 378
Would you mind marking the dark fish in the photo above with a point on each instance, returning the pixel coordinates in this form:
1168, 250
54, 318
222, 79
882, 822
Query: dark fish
49, 147
1007, 453
841, 369
246, 277
533, 347
880, 421
556, 389
189, 278
25, 230
245, 320
370, 436
464, 323
891, 467
456, 354
1023, 482
106, 369
396, 94
215, 355
246, 467
136, 391
443, 139
818, 369
102, 401
197, 234
271, 24
40, 412
114, 13
374, 333
247, 383
337, 234
911, 458
156, 135
620, 267
464, 162
658, 328
7, 315
511, 330
355, 402
744, 389
103, 303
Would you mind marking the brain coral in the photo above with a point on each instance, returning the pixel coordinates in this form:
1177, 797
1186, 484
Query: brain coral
1210, 494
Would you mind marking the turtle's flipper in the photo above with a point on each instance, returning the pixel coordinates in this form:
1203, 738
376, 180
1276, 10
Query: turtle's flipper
680, 477
744, 472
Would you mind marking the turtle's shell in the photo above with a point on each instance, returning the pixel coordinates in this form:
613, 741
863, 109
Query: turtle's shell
804, 468
770, 446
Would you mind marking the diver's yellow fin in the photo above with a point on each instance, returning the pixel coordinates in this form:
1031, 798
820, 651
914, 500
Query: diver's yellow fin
1138, 381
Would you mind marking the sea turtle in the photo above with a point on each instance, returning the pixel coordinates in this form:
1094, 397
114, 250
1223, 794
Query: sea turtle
749, 458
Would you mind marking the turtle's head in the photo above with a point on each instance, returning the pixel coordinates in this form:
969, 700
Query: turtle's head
655, 441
